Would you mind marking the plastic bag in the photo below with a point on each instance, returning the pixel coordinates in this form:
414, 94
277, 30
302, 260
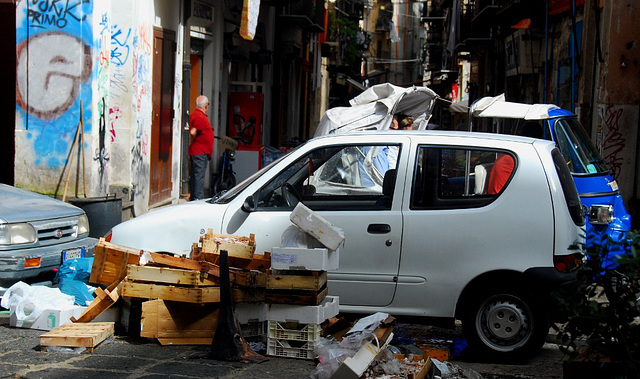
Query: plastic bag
75, 269
72, 278
82, 293
28, 302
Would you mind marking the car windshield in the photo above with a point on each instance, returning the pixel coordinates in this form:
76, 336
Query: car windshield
577, 149
233, 192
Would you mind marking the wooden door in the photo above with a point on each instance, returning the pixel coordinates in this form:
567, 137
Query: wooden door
162, 125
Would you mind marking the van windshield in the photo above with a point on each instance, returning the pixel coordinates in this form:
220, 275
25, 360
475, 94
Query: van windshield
577, 149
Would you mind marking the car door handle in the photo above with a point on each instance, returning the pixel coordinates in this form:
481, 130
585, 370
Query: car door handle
379, 228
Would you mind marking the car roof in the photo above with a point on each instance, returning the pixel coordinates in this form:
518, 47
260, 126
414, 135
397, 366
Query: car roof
435, 133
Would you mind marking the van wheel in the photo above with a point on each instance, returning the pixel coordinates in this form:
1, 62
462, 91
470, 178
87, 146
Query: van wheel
505, 325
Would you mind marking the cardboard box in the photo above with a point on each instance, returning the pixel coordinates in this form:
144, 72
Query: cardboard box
305, 314
321, 229
297, 258
49, 319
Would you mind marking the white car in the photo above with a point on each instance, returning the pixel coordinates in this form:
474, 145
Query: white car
434, 236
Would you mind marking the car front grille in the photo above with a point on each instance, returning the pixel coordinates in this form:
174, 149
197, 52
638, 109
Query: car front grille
52, 232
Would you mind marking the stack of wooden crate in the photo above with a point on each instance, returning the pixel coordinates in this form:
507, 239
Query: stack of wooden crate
180, 296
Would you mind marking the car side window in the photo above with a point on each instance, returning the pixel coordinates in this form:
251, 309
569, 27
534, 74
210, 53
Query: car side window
460, 177
345, 177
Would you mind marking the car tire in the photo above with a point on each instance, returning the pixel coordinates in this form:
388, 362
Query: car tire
505, 325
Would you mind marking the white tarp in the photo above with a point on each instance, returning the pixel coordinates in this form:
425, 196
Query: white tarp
374, 108
498, 107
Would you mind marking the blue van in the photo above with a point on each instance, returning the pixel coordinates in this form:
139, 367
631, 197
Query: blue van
604, 209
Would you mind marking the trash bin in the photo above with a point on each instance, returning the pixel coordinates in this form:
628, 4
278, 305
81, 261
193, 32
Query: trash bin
103, 212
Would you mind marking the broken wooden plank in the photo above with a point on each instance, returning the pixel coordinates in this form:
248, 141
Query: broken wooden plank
87, 335
296, 280
103, 301
169, 276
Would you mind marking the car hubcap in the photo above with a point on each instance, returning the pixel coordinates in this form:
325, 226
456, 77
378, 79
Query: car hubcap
504, 324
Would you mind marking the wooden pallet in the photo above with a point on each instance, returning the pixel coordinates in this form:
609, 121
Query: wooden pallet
87, 335
296, 280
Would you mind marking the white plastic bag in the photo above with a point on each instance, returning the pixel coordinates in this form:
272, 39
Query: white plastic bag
28, 302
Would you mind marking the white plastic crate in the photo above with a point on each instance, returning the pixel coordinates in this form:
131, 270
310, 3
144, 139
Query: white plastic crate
305, 314
298, 258
295, 332
278, 348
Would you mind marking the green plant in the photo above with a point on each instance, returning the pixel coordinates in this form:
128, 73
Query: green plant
345, 31
604, 314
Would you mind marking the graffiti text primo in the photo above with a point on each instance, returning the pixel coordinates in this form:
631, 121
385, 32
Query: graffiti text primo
55, 13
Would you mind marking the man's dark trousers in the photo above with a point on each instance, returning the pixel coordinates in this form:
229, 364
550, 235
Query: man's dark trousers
196, 180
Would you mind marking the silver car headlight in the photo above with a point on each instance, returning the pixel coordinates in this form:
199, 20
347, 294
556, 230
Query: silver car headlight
17, 234
601, 214
83, 224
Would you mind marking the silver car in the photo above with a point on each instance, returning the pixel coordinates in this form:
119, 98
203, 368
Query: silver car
38, 233
439, 231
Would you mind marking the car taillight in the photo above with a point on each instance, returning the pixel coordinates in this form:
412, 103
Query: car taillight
568, 263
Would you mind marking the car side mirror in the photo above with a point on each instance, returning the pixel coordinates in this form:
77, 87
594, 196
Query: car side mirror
249, 204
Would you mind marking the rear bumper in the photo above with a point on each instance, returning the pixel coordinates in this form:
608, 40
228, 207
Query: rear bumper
12, 261
547, 279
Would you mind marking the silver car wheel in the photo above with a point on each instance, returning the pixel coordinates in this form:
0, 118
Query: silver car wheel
504, 323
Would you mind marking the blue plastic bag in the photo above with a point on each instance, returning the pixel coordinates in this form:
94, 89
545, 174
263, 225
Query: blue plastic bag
73, 279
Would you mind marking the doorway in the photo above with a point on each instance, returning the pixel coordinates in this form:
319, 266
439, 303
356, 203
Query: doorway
160, 181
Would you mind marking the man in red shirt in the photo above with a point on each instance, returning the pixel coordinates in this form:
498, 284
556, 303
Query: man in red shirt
200, 148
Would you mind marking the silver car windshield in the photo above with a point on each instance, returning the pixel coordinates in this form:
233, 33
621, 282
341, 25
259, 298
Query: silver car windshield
577, 149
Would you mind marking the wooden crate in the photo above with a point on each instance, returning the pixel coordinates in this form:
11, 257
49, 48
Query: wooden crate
296, 280
170, 276
236, 246
110, 262
87, 335
167, 292
175, 323
296, 297
197, 295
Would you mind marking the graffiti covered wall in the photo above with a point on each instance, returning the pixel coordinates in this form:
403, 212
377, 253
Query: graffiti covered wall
98, 54
54, 63
616, 139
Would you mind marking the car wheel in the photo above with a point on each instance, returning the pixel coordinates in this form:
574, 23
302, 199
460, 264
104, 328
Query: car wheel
505, 325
